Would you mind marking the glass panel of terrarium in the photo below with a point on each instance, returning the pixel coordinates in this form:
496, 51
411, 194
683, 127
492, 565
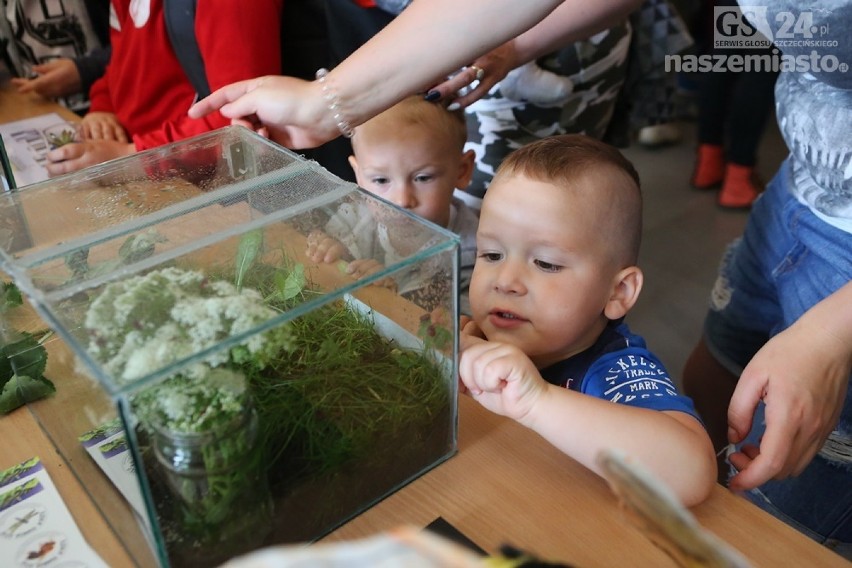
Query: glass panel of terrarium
342, 406
264, 260
226, 293
73, 411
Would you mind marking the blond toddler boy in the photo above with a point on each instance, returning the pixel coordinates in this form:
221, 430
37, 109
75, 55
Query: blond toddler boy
413, 156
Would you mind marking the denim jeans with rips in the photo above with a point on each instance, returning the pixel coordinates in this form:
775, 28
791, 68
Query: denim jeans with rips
786, 261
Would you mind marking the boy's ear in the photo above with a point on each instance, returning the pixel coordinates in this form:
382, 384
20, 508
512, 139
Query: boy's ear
625, 291
465, 169
353, 163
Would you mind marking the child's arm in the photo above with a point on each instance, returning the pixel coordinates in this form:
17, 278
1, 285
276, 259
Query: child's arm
672, 445
363, 267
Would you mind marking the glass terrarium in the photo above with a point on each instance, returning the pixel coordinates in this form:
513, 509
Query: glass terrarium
219, 385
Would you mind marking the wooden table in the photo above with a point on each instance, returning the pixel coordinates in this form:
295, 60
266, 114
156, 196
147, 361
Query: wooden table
505, 485
15, 106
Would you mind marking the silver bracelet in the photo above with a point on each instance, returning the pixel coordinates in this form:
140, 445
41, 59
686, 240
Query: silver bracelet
334, 105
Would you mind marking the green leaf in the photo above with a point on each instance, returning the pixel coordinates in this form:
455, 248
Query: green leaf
11, 296
6, 372
26, 356
247, 252
294, 283
23, 389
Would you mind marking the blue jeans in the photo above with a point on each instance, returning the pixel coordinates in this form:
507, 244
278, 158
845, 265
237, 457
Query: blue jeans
786, 261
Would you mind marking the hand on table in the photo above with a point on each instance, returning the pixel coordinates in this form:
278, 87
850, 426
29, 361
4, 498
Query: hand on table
56, 78
79, 155
323, 248
102, 126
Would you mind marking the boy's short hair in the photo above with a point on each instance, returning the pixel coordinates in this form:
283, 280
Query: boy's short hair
564, 159
418, 111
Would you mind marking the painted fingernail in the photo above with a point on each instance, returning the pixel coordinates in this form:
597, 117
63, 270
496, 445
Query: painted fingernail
453, 107
432, 96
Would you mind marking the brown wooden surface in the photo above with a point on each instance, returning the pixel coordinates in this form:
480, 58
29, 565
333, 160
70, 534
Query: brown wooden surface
15, 106
505, 485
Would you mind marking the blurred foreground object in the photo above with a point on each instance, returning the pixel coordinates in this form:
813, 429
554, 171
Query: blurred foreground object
410, 547
405, 547
663, 518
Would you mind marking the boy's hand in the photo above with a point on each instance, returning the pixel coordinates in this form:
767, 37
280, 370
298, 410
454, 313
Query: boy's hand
323, 248
79, 155
363, 267
467, 327
102, 126
500, 377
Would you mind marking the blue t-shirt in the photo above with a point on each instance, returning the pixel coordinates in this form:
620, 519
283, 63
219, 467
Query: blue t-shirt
619, 368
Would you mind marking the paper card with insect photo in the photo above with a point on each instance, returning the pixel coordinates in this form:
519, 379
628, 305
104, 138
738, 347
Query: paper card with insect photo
27, 143
108, 448
36, 528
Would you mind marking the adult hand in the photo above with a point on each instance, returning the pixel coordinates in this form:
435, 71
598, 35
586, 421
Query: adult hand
495, 65
102, 126
79, 155
290, 111
56, 78
801, 375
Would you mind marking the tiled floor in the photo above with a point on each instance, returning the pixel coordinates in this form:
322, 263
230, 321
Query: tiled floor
685, 235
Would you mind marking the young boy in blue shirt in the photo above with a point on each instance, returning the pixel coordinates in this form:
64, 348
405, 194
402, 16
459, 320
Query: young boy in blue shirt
555, 274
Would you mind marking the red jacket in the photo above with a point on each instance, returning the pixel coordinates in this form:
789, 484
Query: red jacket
144, 84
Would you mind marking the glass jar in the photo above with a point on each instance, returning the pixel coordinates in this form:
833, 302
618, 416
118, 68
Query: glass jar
218, 488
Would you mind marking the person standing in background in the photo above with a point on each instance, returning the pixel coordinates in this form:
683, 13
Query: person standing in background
733, 109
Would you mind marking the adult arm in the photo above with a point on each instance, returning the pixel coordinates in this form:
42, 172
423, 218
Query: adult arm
802, 375
569, 23
427, 41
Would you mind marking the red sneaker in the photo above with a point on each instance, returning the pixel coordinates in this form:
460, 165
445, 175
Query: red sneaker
741, 187
709, 166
